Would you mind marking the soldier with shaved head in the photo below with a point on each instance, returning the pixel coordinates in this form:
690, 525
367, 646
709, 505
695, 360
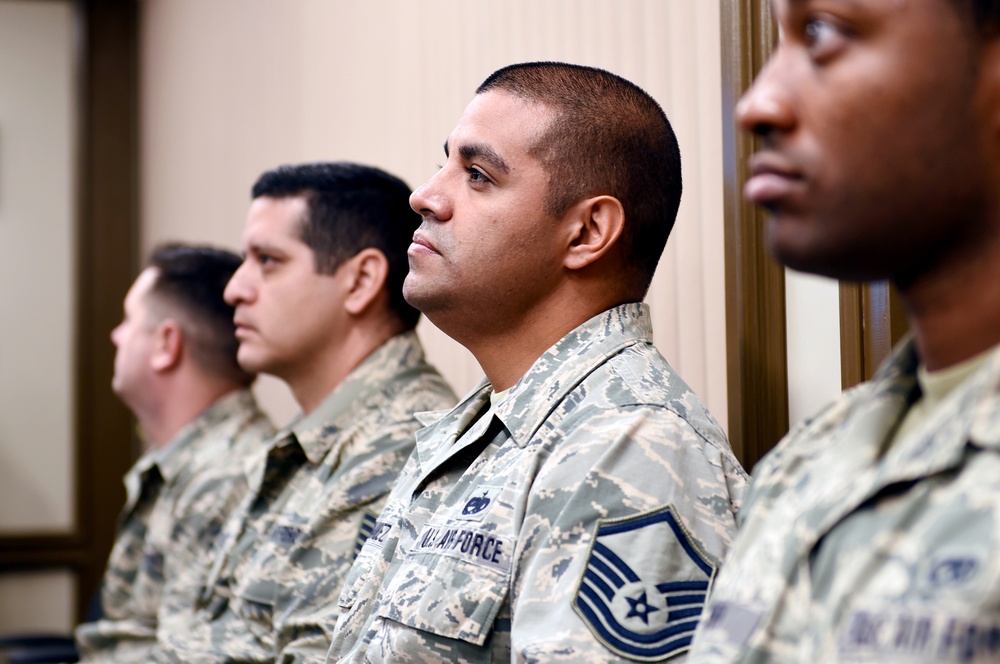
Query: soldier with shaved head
575, 506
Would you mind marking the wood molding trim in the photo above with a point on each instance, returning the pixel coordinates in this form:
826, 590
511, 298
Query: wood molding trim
108, 251
872, 321
852, 331
755, 284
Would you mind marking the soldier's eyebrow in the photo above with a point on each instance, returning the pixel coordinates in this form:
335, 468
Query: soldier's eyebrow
483, 152
257, 247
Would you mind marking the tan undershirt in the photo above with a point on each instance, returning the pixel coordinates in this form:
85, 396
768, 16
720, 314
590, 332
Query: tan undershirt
936, 386
495, 397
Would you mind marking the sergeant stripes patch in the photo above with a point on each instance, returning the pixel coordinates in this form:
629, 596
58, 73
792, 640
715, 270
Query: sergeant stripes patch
367, 526
623, 595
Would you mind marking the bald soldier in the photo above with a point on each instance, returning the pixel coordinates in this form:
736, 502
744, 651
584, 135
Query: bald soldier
575, 506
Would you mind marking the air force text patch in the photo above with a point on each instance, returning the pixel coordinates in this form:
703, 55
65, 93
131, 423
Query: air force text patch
474, 545
644, 586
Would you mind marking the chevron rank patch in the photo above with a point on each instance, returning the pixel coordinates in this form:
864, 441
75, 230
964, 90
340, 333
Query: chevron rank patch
368, 526
644, 586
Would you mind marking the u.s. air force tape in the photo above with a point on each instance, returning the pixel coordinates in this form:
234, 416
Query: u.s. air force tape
472, 544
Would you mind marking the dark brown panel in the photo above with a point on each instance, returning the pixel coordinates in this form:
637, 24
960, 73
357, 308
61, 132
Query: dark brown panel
899, 324
755, 284
872, 320
108, 211
41, 552
852, 346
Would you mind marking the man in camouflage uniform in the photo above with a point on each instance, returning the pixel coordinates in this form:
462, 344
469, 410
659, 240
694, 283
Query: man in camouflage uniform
176, 368
575, 506
872, 532
319, 304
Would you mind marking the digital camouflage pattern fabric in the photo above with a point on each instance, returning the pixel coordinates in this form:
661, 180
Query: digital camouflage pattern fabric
579, 519
848, 554
177, 499
283, 556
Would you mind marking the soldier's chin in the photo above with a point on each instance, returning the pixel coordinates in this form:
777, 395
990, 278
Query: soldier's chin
250, 361
824, 265
791, 247
413, 293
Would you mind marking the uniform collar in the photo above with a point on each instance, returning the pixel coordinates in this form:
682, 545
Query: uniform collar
317, 432
442, 431
173, 458
969, 415
553, 375
847, 439
985, 428
567, 363
168, 462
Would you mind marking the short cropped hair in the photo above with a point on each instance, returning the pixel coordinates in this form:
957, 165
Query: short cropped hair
351, 207
189, 284
608, 137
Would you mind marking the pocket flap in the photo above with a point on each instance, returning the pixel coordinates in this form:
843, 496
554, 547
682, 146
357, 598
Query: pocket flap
446, 596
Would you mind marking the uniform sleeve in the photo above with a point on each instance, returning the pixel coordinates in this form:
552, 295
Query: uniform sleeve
625, 526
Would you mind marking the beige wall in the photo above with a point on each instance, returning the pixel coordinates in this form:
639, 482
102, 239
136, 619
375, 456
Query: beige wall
812, 326
37, 239
233, 87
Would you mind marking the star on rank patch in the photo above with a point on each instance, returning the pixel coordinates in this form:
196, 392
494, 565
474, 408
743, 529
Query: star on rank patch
644, 586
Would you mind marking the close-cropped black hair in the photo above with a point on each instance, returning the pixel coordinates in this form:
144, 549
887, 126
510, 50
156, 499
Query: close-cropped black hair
351, 207
607, 137
189, 284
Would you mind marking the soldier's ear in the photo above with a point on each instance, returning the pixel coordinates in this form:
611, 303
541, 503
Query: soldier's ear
168, 346
594, 226
366, 273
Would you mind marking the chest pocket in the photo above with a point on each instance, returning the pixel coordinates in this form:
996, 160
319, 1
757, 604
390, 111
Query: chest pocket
255, 606
446, 596
258, 592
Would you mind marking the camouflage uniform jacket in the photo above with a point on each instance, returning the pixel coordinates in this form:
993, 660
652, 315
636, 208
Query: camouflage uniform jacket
849, 552
283, 556
579, 519
177, 500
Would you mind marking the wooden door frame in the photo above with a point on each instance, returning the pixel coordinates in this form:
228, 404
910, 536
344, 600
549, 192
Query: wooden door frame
755, 284
872, 321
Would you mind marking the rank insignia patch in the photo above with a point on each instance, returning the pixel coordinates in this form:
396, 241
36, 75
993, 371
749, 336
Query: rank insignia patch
644, 586
368, 524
